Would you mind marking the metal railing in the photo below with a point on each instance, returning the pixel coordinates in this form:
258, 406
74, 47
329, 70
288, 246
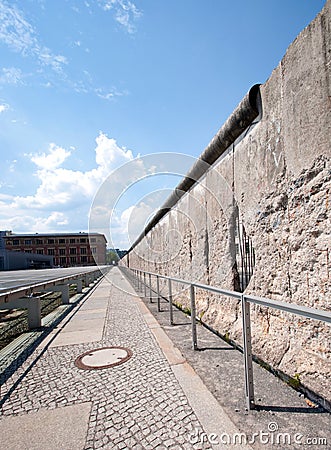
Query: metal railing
22, 297
245, 299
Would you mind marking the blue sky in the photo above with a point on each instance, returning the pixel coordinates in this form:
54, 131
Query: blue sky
88, 85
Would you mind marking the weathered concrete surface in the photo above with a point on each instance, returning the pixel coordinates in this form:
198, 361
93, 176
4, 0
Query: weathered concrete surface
276, 181
61, 428
88, 323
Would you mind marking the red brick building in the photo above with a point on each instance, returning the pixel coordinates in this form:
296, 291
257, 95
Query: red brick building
67, 249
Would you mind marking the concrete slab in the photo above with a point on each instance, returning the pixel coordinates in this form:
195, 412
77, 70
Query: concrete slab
94, 304
100, 312
76, 337
51, 429
84, 324
81, 324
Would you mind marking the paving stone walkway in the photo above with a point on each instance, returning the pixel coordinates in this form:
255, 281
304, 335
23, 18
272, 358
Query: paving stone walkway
50, 403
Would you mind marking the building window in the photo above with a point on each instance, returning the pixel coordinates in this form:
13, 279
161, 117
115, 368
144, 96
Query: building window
82, 240
50, 241
39, 241
28, 242
40, 251
93, 240
94, 250
72, 241
83, 259
16, 242
51, 251
73, 251
62, 241
63, 261
83, 251
28, 250
73, 259
62, 251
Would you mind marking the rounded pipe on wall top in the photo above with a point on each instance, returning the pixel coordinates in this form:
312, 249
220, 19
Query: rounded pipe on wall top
242, 117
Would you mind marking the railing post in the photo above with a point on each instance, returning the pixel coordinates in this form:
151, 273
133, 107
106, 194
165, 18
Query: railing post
79, 286
145, 287
34, 313
150, 288
158, 293
248, 359
171, 314
193, 318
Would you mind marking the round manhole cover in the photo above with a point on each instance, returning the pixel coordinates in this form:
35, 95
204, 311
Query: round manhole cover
102, 358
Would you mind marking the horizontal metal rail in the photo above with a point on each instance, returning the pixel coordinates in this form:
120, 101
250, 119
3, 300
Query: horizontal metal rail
311, 313
28, 296
245, 299
28, 290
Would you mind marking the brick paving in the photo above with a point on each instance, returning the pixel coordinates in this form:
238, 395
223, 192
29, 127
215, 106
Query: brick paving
136, 405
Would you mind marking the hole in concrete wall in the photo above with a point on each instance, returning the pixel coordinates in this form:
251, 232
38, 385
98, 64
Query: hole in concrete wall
245, 255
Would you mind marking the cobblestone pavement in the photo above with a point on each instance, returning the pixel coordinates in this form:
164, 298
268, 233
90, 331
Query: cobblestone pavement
137, 405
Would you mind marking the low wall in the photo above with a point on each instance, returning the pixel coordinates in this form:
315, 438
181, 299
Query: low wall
264, 207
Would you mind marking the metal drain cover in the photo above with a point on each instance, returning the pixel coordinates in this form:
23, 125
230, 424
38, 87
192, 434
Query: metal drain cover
102, 358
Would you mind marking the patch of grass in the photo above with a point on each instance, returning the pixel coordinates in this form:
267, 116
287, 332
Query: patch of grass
294, 381
201, 315
226, 336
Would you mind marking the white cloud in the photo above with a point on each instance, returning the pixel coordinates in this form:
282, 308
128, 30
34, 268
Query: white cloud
110, 94
55, 157
126, 226
47, 58
55, 217
3, 107
109, 155
87, 86
15, 31
19, 221
63, 198
125, 12
65, 189
11, 75
12, 166
19, 35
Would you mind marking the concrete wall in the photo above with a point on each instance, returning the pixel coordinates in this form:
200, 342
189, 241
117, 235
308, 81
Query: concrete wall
276, 180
